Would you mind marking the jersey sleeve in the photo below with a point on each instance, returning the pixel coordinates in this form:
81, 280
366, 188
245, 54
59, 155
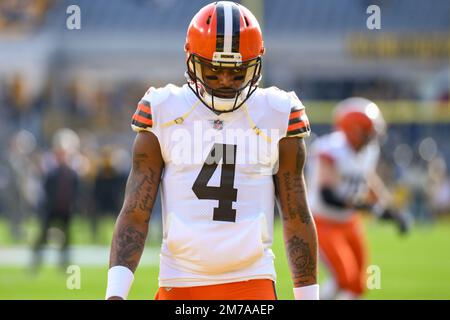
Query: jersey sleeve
298, 125
142, 118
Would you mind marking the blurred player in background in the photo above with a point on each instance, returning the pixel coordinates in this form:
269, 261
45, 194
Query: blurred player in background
107, 190
342, 182
217, 211
61, 194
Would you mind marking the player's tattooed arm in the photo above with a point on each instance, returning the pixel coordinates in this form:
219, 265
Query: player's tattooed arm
299, 230
141, 190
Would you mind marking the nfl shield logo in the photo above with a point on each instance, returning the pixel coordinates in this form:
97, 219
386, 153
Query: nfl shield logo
217, 124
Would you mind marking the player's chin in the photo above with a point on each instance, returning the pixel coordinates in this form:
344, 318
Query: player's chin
225, 94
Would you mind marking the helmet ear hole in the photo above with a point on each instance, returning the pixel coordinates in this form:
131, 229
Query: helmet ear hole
208, 21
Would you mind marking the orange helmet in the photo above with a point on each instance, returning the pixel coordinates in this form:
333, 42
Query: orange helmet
224, 34
360, 120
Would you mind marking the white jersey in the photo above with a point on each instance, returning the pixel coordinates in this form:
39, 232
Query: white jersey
353, 169
217, 188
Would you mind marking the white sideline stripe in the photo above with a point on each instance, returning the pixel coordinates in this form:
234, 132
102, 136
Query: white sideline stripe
79, 255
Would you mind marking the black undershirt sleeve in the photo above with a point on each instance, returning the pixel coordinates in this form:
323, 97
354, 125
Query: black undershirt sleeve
332, 199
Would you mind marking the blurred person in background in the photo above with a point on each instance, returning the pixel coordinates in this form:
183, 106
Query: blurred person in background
108, 189
417, 180
24, 194
439, 190
17, 101
342, 181
60, 189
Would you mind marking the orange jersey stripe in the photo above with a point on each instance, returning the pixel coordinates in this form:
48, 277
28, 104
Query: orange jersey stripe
298, 125
296, 114
144, 108
142, 119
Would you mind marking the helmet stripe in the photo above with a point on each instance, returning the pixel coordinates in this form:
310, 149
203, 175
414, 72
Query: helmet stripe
228, 35
228, 27
236, 28
220, 27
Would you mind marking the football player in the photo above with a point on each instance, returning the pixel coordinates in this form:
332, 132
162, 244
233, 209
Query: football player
222, 151
342, 181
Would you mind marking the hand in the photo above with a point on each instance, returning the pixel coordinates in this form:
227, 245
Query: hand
403, 223
401, 220
362, 206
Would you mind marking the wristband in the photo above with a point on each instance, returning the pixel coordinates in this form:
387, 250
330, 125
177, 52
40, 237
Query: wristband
119, 282
310, 292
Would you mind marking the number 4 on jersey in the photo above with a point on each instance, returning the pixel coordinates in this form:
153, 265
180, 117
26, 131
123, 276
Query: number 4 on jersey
226, 194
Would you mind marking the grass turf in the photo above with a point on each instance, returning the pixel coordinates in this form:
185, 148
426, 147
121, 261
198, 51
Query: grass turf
413, 267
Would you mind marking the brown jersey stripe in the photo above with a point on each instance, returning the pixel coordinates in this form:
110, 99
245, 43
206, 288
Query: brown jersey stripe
141, 125
145, 107
298, 121
297, 125
296, 114
147, 122
144, 114
293, 133
295, 120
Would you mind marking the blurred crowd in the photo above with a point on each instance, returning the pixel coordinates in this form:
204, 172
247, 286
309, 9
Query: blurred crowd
86, 128
17, 16
89, 132
418, 177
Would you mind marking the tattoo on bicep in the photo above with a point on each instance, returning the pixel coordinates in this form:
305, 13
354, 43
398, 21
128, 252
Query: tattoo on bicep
302, 260
128, 243
138, 159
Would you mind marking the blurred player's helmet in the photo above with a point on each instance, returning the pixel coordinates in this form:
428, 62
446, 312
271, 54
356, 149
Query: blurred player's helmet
360, 120
224, 34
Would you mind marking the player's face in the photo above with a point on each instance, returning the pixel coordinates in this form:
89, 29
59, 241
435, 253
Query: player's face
226, 80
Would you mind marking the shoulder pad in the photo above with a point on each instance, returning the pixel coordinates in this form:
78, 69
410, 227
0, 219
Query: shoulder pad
281, 100
157, 96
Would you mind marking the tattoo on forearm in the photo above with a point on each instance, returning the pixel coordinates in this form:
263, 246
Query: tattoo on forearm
141, 190
296, 203
293, 190
127, 247
302, 260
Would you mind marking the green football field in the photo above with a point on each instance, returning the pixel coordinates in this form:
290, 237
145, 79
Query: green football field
413, 267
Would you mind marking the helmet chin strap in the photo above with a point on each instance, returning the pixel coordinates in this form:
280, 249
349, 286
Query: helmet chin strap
221, 104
